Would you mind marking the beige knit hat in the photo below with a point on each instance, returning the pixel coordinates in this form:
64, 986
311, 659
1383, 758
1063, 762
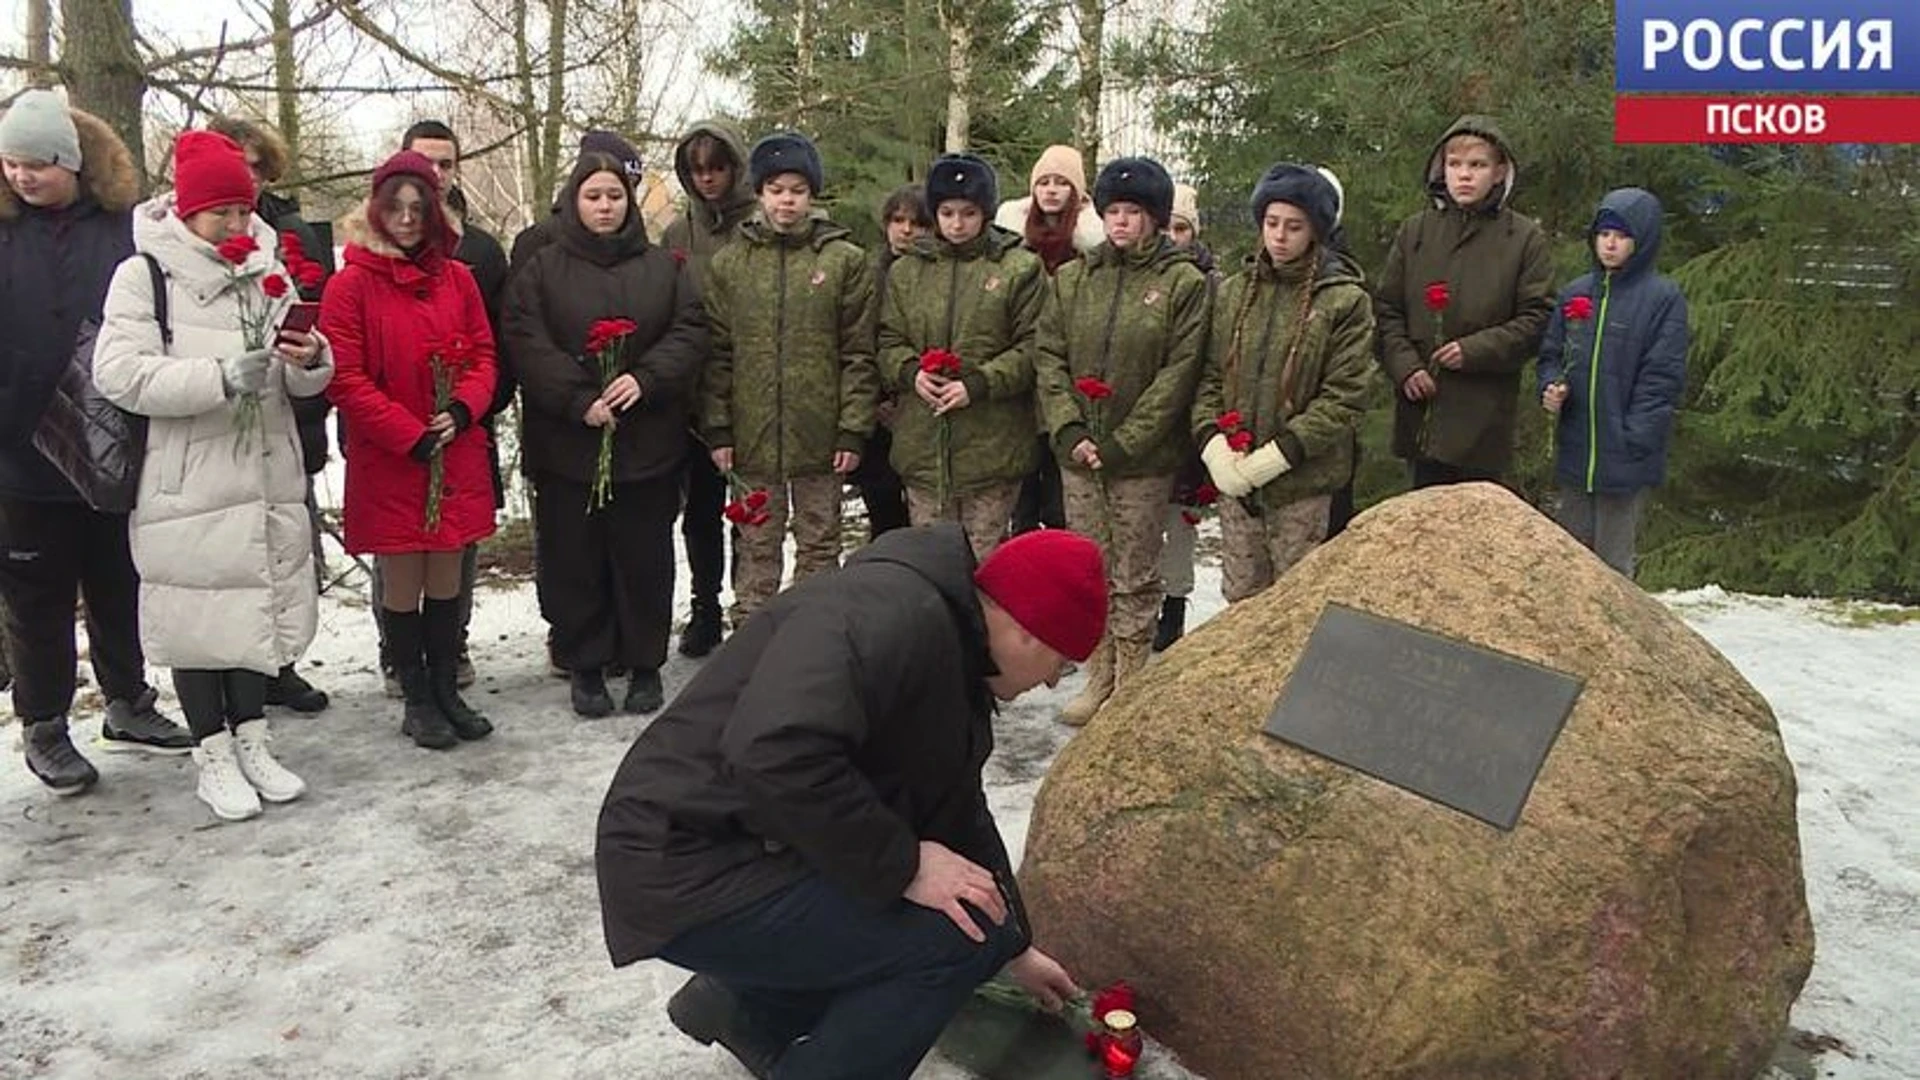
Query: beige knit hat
1186, 205
1061, 161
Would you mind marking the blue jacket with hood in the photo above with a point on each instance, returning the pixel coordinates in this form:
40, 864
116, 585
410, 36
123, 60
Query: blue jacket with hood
1624, 367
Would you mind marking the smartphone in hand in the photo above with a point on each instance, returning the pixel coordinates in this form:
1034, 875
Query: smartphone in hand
301, 317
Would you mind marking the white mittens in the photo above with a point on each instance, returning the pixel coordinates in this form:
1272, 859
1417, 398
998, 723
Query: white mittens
1264, 465
1223, 467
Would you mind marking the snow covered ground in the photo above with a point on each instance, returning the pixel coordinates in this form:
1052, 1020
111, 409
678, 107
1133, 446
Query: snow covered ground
434, 914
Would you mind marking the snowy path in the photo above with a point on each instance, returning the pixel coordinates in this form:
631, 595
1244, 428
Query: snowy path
434, 915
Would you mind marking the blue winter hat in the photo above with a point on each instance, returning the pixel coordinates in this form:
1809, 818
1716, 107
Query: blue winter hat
1300, 186
785, 152
962, 176
1610, 219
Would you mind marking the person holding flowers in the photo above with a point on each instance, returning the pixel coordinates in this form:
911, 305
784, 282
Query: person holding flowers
220, 528
415, 369
606, 334
1119, 351
1289, 365
1611, 370
956, 336
1461, 304
789, 393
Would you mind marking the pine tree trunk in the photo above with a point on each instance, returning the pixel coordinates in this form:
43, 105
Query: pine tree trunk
959, 77
103, 71
1092, 19
40, 43
286, 79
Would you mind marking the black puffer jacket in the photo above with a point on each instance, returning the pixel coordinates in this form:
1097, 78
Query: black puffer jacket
54, 269
847, 722
554, 299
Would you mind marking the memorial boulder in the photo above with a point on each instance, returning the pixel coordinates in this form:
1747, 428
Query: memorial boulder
1634, 909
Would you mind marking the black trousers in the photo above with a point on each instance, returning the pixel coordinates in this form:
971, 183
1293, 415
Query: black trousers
1430, 473
701, 528
606, 578
215, 699
1041, 502
880, 486
50, 555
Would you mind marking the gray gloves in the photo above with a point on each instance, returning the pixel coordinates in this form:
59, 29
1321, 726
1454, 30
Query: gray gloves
246, 373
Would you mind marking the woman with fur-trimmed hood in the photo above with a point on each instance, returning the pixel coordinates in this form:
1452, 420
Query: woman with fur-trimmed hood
65, 224
400, 307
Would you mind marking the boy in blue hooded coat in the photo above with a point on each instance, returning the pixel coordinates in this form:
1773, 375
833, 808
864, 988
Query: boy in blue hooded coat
1612, 368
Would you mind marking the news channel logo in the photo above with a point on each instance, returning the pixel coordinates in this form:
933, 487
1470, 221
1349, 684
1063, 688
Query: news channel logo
1767, 71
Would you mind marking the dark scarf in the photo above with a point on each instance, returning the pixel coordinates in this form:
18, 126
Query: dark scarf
1053, 243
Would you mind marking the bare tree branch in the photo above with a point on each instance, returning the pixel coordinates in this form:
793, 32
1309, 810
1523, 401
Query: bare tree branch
184, 56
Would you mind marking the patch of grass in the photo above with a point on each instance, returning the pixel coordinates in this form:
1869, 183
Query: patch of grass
1866, 616
507, 555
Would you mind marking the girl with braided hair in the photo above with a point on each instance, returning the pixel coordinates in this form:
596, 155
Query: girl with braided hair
1285, 382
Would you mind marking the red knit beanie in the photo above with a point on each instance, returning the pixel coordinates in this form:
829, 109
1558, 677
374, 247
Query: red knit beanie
209, 170
409, 163
1054, 584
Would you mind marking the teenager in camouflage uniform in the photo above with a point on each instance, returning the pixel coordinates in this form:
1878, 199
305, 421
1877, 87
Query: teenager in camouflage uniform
973, 291
1288, 369
1120, 347
788, 397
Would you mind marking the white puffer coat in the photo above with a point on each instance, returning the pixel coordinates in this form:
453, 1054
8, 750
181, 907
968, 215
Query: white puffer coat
221, 533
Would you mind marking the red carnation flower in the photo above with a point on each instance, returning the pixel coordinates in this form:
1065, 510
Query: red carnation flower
1229, 421
236, 249
1438, 296
310, 274
756, 499
940, 362
274, 286
1578, 308
1189, 517
1117, 996
290, 245
1206, 495
1240, 441
1092, 387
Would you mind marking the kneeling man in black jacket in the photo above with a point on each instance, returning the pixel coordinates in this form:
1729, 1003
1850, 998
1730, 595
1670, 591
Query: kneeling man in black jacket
805, 826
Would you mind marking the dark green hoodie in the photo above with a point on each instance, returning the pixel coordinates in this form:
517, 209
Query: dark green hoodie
707, 227
791, 376
1499, 277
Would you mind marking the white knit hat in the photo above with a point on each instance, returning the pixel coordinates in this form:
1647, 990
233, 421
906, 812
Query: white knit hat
38, 127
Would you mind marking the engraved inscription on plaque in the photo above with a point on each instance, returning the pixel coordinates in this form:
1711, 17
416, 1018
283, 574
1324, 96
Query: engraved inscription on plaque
1456, 723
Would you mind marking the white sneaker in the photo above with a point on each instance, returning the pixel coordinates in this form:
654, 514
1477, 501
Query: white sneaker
223, 787
271, 779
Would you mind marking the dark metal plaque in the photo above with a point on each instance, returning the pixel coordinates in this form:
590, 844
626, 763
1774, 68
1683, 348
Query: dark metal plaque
1464, 726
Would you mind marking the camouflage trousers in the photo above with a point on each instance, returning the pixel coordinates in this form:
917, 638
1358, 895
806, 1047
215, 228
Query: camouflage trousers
1255, 551
811, 504
1129, 522
984, 514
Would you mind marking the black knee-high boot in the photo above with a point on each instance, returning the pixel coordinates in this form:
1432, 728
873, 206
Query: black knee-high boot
442, 618
424, 722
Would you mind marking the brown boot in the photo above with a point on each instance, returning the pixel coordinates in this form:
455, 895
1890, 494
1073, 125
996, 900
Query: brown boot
1130, 656
1099, 687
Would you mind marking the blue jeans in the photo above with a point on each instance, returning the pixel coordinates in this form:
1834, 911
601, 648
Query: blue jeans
870, 990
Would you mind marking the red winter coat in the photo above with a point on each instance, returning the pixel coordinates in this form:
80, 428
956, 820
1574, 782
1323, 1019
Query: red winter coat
385, 315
